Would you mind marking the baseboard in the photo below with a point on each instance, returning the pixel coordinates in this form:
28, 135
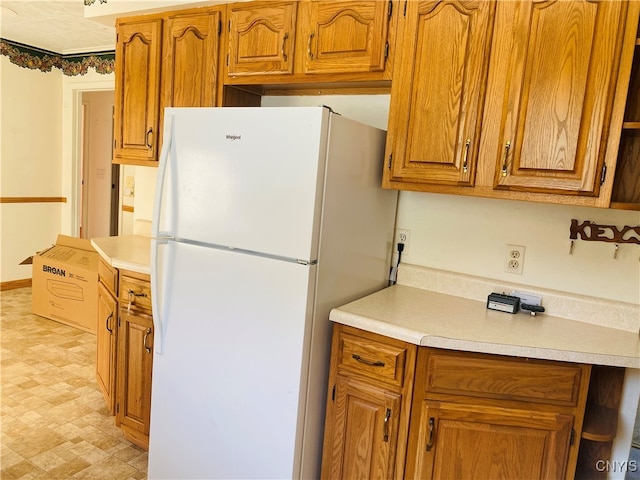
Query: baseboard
10, 285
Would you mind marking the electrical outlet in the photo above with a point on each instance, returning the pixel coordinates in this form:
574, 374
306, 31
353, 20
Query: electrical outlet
514, 259
402, 236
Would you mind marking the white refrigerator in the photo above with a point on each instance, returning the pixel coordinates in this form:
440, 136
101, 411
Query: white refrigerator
264, 220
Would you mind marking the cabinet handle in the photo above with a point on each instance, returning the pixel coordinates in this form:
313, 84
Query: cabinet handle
110, 330
284, 39
144, 340
465, 164
432, 427
149, 132
309, 52
507, 147
358, 358
132, 295
385, 432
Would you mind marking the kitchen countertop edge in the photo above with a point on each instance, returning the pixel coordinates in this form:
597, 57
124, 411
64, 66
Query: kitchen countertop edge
125, 252
432, 319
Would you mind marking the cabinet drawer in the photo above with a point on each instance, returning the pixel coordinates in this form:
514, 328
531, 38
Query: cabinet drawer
371, 358
503, 378
135, 292
108, 276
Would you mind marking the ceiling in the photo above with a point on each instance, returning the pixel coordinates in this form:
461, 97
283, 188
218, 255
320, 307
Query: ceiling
56, 25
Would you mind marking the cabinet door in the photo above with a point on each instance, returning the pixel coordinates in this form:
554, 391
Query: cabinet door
560, 60
190, 60
261, 38
190, 50
106, 343
345, 37
460, 441
137, 91
365, 431
438, 91
135, 361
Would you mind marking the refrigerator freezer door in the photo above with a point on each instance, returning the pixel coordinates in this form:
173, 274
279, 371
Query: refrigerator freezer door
229, 389
247, 178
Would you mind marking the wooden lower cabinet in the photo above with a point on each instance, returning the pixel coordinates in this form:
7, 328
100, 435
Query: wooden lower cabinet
365, 433
135, 363
124, 346
395, 410
466, 441
367, 420
106, 345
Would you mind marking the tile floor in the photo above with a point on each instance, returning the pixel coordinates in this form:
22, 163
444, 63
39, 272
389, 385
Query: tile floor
54, 421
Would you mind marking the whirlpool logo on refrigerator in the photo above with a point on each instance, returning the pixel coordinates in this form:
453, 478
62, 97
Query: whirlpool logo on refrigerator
233, 138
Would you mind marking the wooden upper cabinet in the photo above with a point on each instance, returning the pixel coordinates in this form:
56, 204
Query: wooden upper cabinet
438, 91
342, 43
137, 91
261, 38
190, 59
190, 51
561, 60
345, 36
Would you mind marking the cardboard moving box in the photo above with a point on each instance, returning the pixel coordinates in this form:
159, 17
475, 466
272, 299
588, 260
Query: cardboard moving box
65, 283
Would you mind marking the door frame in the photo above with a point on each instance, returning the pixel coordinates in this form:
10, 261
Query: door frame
72, 90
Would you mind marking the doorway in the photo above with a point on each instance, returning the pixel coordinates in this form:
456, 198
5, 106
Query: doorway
100, 182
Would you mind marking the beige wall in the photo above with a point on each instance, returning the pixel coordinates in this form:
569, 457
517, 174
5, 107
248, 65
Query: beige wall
30, 163
39, 158
469, 235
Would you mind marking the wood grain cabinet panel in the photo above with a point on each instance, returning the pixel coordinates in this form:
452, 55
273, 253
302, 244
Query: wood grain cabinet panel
517, 100
368, 405
503, 378
466, 441
365, 432
190, 51
137, 91
106, 345
462, 415
310, 43
437, 92
162, 60
261, 38
562, 68
135, 364
345, 36
490, 416
190, 59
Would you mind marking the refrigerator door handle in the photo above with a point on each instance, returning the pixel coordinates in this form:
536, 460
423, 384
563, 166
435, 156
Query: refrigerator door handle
160, 238
163, 165
157, 298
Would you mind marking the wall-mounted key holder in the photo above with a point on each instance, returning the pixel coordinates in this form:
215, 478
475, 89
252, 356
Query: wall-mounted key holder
593, 232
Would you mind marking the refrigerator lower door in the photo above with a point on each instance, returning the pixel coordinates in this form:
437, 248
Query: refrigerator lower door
228, 391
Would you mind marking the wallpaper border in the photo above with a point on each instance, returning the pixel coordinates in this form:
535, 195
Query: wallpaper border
71, 65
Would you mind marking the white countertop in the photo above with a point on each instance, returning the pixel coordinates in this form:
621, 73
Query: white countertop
428, 318
128, 252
